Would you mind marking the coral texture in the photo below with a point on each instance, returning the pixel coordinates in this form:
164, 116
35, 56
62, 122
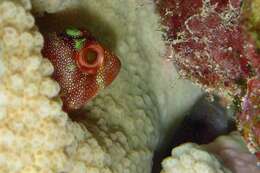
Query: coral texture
191, 158
230, 149
51, 6
123, 124
209, 44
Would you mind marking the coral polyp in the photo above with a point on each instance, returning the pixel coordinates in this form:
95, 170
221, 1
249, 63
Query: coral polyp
82, 66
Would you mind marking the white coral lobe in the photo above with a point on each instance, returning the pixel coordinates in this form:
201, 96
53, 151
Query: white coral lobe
191, 158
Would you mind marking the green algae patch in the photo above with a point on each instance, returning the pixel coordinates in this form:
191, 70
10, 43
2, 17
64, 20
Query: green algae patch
252, 17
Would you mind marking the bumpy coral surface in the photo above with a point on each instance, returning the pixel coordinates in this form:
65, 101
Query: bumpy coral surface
230, 149
123, 123
191, 158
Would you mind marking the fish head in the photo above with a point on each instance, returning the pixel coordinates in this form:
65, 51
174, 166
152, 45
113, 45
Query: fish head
82, 66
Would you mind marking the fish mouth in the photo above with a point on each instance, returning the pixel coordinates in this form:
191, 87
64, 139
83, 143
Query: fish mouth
90, 58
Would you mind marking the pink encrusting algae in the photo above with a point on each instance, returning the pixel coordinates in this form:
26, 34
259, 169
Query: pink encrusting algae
209, 44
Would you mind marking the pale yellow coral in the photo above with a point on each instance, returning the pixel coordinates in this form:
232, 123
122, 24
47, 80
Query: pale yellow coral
35, 135
191, 158
52, 6
32, 136
121, 130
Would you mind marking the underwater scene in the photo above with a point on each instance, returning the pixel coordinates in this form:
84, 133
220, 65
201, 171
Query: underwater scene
129, 86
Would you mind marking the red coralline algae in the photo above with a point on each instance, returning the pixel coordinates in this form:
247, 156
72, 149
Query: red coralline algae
81, 65
208, 43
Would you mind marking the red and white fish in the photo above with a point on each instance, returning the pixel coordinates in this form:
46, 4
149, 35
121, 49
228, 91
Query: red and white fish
82, 66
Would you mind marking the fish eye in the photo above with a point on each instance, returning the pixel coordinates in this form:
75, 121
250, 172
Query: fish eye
91, 56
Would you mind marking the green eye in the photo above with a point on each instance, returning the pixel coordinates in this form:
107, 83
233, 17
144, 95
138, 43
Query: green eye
79, 43
73, 32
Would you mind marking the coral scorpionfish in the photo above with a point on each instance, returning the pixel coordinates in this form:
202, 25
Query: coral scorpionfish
82, 66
